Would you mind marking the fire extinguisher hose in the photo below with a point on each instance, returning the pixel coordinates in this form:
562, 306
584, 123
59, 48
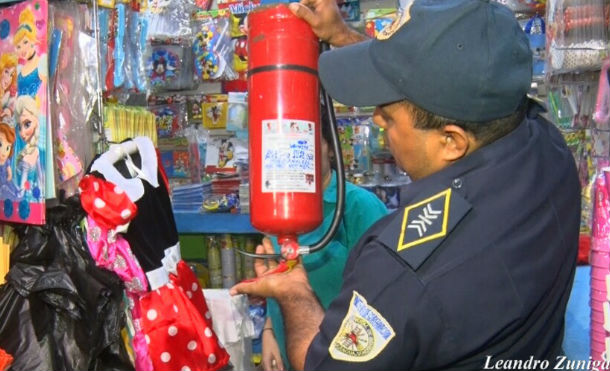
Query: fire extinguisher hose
340, 205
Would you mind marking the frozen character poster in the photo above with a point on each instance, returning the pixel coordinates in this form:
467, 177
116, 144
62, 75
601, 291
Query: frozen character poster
8, 87
23, 83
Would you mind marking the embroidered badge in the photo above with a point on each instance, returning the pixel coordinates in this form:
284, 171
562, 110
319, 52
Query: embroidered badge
363, 334
425, 220
402, 18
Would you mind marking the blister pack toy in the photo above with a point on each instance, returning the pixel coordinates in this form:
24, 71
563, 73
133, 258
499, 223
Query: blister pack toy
212, 46
194, 107
164, 67
215, 107
167, 119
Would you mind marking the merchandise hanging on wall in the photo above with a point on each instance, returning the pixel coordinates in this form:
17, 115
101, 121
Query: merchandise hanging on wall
23, 131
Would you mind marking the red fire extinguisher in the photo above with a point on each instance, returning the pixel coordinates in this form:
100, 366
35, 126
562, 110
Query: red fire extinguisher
284, 129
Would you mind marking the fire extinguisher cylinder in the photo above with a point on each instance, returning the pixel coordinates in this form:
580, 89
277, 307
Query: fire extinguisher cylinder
284, 123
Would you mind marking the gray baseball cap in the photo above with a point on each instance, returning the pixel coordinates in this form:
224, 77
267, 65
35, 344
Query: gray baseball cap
467, 60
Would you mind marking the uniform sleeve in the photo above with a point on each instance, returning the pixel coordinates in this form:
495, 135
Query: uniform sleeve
362, 210
381, 320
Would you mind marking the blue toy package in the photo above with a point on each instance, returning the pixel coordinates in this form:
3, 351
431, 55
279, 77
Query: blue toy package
135, 46
536, 32
119, 46
258, 314
164, 67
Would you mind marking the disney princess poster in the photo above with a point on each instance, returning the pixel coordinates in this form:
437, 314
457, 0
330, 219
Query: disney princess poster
23, 95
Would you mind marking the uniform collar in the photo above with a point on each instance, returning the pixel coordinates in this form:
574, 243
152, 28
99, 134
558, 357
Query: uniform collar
433, 206
456, 175
330, 193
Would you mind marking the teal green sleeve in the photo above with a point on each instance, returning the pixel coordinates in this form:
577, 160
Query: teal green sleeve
362, 210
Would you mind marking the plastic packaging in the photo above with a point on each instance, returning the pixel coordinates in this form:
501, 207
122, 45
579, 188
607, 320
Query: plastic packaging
119, 45
168, 20
135, 48
228, 266
535, 28
237, 115
577, 36
214, 263
194, 107
215, 109
164, 63
169, 119
73, 98
71, 293
212, 46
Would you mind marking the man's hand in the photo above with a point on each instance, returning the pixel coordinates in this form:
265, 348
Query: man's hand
325, 19
297, 301
271, 356
274, 285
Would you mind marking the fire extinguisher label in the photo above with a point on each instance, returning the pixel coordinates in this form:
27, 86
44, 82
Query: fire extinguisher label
289, 156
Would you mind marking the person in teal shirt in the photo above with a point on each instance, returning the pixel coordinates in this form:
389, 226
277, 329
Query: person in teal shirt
325, 267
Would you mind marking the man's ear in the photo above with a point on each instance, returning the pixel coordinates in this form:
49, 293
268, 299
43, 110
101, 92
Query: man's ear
455, 142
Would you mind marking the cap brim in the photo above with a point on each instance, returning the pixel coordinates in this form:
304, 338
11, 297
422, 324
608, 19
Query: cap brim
349, 76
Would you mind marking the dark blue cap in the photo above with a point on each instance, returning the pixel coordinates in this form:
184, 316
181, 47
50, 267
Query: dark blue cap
466, 60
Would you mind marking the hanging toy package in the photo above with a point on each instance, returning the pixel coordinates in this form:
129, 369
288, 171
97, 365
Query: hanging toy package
168, 20
194, 106
237, 114
577, 35
213, 47
170, 115
163, 67
73, 98
167, 61
119, 45
535, 29
135, 75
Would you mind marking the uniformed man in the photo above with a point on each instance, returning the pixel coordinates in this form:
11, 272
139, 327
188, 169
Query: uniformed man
476, 267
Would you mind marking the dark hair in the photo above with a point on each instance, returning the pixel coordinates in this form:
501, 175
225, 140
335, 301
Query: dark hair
326, 128
325, 125
484, 132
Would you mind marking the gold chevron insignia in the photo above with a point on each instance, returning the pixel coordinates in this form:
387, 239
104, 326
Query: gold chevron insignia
425, 220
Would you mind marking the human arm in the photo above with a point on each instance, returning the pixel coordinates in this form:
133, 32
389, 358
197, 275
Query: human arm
325, 19
296, 299
272, 359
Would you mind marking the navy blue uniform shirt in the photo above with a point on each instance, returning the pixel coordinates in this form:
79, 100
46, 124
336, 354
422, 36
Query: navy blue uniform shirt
478, 262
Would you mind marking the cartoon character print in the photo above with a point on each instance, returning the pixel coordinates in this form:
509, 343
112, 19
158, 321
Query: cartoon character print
32, 68
29, 170
225, 152
162, 67
8, 190
8, 87
207, 61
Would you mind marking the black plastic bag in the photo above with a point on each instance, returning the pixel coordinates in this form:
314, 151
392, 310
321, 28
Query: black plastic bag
58, 311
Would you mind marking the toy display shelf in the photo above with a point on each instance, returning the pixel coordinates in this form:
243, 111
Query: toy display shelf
203, 223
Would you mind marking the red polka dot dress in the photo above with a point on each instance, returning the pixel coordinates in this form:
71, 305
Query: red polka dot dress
175, 317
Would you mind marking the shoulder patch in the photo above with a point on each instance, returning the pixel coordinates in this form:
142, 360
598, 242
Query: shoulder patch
363, 334
424, 225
